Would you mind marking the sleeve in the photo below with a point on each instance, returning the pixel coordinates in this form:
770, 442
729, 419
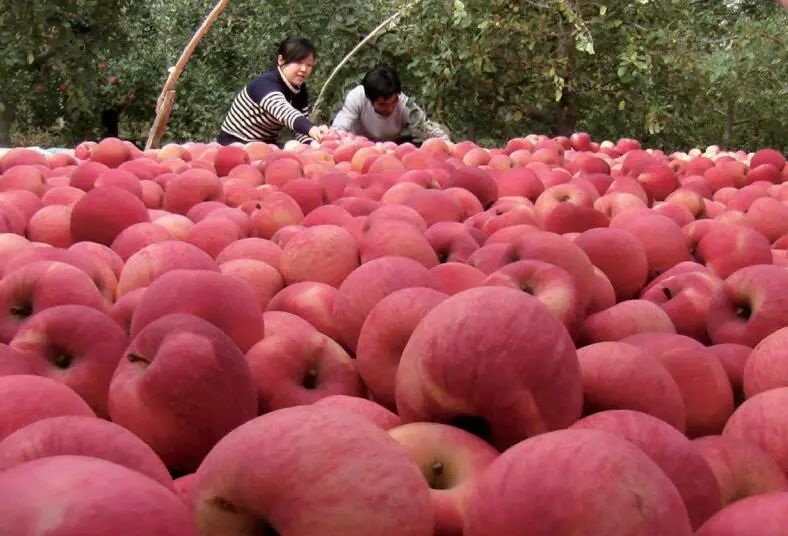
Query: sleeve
419, 125
350, 112
276, 104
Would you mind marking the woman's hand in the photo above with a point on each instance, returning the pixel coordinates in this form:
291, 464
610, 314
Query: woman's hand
318, 131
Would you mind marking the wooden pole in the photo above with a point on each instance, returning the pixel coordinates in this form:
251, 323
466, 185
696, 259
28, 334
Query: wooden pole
167, 98
314, 116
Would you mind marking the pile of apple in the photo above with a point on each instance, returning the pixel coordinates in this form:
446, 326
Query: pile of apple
556, 337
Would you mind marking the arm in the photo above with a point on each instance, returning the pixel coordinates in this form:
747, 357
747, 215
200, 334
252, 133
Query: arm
350, 112
276, 104
420, 126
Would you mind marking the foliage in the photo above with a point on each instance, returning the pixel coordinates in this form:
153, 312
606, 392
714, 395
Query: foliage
673, 73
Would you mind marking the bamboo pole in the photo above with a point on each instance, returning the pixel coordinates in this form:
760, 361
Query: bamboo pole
167, 98
314, 116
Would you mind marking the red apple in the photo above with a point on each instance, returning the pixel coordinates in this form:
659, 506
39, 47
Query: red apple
237, 492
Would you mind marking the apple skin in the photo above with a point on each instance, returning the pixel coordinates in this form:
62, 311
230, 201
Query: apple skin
618, 375
112, 499
295, 364
765, 367
701, 378
686, 298
363, 407
367, 285
28, 398
146, 265
741, 468
223, 300
385, 333
551, 483
323, 254
550, 284
451, 461
440, 377
40, 285
102, 213
660, 236
624, 319
751, 305
454, 277
671, 450
368, 483
619, 255
764, 515
728, 248
181, 386
734, 359
82, 436
76, 345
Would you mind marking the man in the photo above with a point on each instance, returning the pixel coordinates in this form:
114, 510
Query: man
377, 109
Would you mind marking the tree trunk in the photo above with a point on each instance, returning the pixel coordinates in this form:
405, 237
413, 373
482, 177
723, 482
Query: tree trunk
109, 123
6, 120
729, 118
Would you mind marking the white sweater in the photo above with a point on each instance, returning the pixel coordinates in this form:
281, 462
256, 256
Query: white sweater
358, 116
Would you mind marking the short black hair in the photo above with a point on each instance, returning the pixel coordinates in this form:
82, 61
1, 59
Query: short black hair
381, 82
295, 49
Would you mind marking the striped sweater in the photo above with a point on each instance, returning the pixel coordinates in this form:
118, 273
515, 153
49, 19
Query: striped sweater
264, 106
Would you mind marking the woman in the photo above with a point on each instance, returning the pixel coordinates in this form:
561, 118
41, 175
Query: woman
276, 99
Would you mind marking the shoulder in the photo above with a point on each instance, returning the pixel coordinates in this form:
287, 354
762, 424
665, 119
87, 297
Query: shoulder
356, 94
265, 83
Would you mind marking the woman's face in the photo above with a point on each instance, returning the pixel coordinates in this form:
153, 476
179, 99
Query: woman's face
297, 72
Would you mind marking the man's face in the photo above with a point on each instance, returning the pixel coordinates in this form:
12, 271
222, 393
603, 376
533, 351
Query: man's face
385, 106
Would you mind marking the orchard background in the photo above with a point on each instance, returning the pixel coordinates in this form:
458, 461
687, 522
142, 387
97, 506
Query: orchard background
674, 74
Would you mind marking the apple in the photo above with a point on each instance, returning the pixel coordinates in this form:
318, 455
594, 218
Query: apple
741, 468
618, 375
83, 436
528, 384
39, 285
237, 492
396, 238
551, 285
363, 407
384, 334
725, 249
673, 452
111, 499
765, 367
182, 407
105, 211
702, 381
686, 299
623, 319
154, 260
619, 255
764, 515
28, 398
75, 345
451, 460
137, 236
454, 277
223, 300
367, 285
660, 236
252, 248
751, 305
295, 364
571, 480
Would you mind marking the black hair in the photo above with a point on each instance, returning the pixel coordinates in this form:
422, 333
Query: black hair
295, 49
381, 82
